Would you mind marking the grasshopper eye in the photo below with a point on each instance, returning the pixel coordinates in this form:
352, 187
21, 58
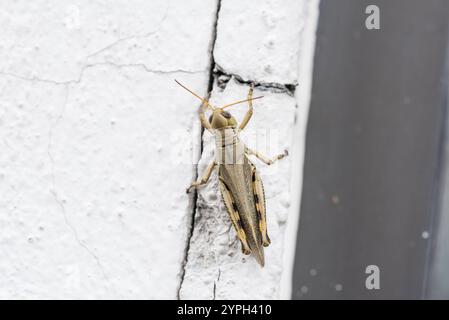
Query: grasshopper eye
226, 114
210, 118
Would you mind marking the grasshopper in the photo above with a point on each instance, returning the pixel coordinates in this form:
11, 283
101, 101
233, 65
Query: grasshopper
240, 183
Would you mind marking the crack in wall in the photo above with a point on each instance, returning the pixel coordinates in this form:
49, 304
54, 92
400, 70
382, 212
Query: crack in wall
60, 202
224, 77
118, 41
88, 65
215, 284
145, 68
210, 86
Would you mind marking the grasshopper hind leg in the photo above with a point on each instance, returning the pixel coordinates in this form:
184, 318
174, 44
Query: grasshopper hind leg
234, 215
259, 199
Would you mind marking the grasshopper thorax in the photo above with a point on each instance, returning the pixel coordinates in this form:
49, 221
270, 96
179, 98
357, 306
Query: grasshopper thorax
220, 119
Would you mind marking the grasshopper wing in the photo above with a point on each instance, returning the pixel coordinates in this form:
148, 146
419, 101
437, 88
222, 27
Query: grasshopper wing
240, 195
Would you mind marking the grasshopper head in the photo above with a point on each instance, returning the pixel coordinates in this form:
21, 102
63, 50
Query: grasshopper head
221, 118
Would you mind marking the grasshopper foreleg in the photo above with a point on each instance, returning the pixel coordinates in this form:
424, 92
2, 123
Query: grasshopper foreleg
249, 113
204, 121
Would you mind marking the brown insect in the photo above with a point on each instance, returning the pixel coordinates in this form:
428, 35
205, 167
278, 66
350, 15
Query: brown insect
240, 183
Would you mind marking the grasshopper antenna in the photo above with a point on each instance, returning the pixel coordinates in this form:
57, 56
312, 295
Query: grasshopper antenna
202, 99
240, 101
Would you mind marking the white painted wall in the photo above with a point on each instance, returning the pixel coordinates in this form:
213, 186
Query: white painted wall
274, 47
97, 145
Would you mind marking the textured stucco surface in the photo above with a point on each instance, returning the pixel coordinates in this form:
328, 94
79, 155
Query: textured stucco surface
98, 144
267, 46
92, 180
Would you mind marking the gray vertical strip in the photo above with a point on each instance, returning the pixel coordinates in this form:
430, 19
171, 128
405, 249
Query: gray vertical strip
436, 283
372, 150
